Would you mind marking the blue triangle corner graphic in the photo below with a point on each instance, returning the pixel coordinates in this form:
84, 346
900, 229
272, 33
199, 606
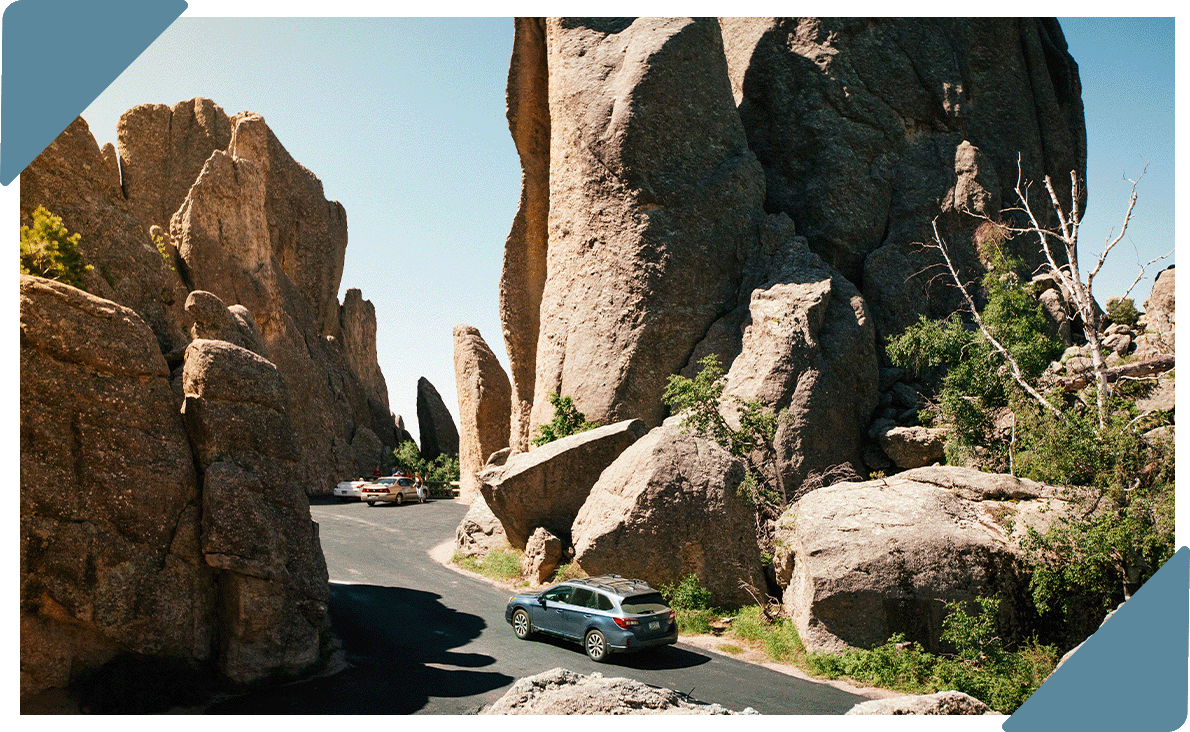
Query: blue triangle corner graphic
1131, 674
59, 55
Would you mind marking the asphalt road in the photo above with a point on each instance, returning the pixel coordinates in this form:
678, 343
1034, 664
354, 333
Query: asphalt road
420, 638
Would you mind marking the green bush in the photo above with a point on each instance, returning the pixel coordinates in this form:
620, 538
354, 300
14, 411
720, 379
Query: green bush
779, 637
1122, 311
567, 421
691, 603
501, 564
49, 250
444, 468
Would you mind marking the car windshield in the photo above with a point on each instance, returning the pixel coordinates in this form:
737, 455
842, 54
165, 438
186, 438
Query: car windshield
642, 604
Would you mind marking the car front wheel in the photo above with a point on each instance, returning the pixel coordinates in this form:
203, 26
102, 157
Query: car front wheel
595, 646
521, 625
400, 499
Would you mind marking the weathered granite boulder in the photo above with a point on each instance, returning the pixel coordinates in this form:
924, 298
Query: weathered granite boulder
559, 691
547, 486
869, 128
1158, 320
909, 447
653, 196
73, 180
485, 403
256, 526
667, 508
943, 702
810, 350
437, 427
543, 551
109, 501
480, 531
213, 320
862, 561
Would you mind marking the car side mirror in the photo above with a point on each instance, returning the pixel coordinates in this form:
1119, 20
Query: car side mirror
542, 601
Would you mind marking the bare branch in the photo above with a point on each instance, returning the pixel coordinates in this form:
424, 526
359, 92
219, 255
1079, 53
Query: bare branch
1143, 267
1017, 375
1111, 244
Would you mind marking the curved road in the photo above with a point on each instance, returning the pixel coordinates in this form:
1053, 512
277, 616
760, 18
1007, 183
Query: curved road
420, 638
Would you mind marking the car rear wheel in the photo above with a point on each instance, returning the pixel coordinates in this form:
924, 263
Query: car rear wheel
595, 646
521, 625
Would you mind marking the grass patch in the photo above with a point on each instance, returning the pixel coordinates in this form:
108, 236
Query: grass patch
729, 648
502, 564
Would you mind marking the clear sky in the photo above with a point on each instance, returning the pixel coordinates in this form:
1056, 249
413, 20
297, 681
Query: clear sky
403, 121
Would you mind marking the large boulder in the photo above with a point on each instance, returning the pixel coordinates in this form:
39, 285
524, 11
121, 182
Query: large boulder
485, 403
909, 447
666, 508
435, 424
943, 702
480, 531
809, 350
559, 691
1158, 320
109, 500
652, 198
862, 561
256, 529
547, 486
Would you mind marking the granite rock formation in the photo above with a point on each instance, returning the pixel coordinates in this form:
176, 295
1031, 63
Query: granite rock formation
485, 401
666, 508
559, 691
546, 487
943, 702
216, 268
480, 531
439, 436
861, 561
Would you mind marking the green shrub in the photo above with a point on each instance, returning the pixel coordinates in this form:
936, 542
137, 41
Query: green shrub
501, 564
691, 603
567, 421
49, 250
1122, 311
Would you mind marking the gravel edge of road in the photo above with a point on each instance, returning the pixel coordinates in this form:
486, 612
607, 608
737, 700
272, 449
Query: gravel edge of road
443, 552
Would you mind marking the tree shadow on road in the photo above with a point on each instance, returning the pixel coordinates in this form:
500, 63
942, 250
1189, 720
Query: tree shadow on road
396, 642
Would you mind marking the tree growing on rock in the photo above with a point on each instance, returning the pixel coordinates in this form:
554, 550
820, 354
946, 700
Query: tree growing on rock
49, 250
567, 421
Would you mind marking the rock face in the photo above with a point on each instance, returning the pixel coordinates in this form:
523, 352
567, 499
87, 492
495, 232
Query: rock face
437, 427
909, 447
543, 551
809, 350
485, 401
644, 225
184, 534
113, 563
559, 691
480, 531
859, 132
1158, 319
666, 508
868, 128
861, 561
187, 539
944, 702
256, 528
547, 486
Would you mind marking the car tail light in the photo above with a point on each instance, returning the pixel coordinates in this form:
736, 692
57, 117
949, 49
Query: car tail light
672, 615
626, 622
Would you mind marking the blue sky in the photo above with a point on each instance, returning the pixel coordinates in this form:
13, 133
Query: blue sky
403, 121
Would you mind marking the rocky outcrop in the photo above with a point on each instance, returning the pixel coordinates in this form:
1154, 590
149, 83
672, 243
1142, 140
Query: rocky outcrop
869, 128
357, 336
809, 352
543, 552
439, 435
110, 505
73, 180
546, 487
649, 204
1158, 337
943, 702
909, 447
666, 508
485, 401
480, 531
183, 534
559, 691
861, 561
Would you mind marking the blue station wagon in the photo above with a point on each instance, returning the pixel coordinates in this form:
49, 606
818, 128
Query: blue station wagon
606, 614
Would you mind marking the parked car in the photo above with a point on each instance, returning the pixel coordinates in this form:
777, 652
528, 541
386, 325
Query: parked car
606, 614
349, 490
393, 489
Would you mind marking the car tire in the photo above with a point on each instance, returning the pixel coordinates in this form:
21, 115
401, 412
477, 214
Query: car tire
596, 646
400, 499
371, 503
521, 627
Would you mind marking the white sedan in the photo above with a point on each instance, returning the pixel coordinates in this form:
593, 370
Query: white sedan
349, 490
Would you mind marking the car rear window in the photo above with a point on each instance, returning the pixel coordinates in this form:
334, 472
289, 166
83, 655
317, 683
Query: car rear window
640, 604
